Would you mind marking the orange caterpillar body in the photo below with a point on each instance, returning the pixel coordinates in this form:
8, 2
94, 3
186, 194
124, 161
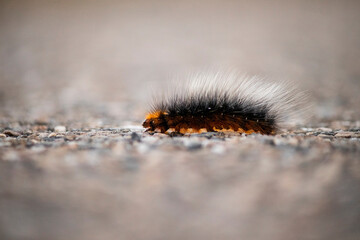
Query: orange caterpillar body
165, 123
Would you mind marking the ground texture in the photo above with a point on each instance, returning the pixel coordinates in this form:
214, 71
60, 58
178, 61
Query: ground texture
121, 183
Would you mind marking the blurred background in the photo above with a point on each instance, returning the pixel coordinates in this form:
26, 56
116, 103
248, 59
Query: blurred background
61, 55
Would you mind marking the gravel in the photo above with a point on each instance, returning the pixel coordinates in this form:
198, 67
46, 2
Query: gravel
124, 182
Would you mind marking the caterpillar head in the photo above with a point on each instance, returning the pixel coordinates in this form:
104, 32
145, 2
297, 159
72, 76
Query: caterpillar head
155, 122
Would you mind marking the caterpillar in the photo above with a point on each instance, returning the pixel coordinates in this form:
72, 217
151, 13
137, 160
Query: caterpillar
225, 102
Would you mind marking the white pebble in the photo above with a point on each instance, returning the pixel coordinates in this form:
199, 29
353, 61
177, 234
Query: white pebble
60, 129
323, 129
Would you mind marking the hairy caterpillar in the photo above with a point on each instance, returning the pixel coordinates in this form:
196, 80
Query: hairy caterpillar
225, 102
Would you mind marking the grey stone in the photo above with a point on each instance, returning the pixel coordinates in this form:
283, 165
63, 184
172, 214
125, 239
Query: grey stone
11, 133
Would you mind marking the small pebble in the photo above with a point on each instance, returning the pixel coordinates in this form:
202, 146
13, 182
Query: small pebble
60, 129
323, 129
51, 135
344, 134
28, 132
325, 136
70, 137
307, 129
43, 135
11, 133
